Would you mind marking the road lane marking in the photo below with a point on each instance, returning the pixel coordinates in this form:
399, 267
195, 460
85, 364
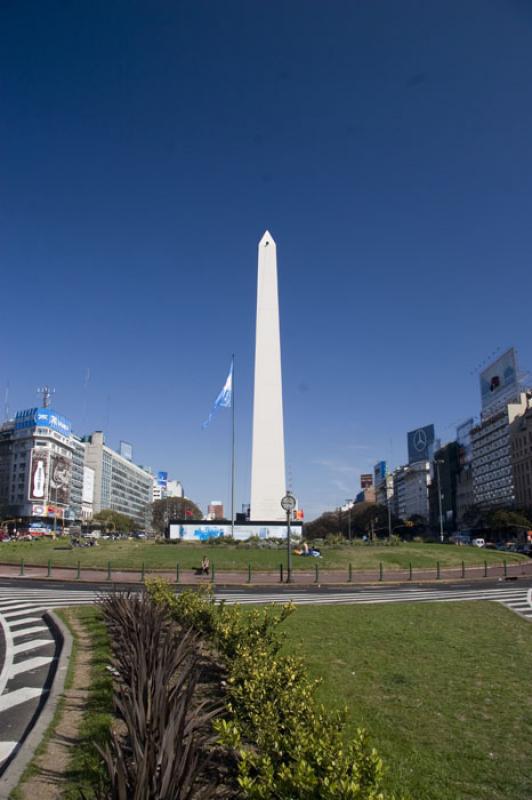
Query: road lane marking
6, 748
29, 664
34, 644
19, 696
26, 631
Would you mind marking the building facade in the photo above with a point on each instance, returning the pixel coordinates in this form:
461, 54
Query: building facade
493, 475
447, 464
410, 487
36, 454
119, 484
464, 482
215, 510
521, 454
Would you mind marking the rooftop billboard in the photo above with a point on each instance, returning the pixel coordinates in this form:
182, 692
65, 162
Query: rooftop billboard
420, 444
42, 418
498, 382
379, 472
126, 450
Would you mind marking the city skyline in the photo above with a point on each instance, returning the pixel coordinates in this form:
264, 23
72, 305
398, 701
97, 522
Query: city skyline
143, 157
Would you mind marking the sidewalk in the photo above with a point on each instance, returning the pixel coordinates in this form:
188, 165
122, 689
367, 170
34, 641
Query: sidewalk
316, 576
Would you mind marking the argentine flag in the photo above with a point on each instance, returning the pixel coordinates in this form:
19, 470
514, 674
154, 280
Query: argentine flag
224, 399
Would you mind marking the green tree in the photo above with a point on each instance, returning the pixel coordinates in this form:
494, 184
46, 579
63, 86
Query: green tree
506, 519
115, 521
172, 508
365, 517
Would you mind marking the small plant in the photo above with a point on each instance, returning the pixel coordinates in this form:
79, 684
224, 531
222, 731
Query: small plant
335, 539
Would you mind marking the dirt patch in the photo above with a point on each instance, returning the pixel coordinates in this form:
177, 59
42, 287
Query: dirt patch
47, 782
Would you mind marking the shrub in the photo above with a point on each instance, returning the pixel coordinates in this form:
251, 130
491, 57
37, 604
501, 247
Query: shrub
335, 539
289, 746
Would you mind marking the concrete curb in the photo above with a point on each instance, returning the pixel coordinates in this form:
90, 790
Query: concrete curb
26, 752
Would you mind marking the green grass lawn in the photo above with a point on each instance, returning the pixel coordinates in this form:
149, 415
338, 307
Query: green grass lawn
134, 553
443, 690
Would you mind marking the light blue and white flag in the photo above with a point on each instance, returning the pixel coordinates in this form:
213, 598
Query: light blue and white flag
224, 399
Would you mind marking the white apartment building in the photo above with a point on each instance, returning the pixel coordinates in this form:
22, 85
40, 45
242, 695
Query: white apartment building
411, 490
118, 483
493, 479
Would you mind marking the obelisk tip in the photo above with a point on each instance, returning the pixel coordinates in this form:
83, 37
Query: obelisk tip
266, 239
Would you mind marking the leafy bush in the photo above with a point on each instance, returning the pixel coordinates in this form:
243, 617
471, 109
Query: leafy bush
335, 539
289, 746
393, 540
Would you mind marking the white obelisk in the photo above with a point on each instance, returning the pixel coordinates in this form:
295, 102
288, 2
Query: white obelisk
267, 463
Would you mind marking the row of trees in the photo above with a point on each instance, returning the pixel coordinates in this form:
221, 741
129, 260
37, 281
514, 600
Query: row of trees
368, 519
498, 519
162, 511
363, 519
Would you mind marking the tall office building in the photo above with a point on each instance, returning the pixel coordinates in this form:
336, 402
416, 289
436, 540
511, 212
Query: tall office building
411, 490
268, 484
118, 483
493, 477
521, 450
41, 466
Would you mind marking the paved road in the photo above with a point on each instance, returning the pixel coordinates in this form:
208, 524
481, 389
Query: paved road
29, 651
29, 657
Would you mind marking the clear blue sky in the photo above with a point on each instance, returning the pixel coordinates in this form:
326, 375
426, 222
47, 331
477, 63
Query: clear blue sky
145, 148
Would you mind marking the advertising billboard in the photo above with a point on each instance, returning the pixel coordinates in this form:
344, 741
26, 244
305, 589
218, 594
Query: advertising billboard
499, 383
366, 480
126, 450
162, 479
55, 511
59, 481
38, 487
42, 418
379, 472
87, 493
420, 444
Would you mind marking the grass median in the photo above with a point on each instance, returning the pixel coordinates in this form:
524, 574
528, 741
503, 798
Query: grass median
441, 688
133, 555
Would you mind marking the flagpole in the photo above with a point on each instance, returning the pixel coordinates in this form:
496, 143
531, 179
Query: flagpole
233, 453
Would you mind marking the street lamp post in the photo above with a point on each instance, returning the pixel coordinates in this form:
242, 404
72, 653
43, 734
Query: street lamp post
349, 504
288, 503
439, 461
389, 514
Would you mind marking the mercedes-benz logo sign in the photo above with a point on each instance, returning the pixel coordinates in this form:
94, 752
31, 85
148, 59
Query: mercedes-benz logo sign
420, 440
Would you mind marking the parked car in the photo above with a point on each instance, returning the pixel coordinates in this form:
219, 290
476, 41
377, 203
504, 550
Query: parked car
478, 542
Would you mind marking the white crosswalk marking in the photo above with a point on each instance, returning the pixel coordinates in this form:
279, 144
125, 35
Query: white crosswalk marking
27, 631
6, 748
30, 664
25, 621
10, 699
33, 644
